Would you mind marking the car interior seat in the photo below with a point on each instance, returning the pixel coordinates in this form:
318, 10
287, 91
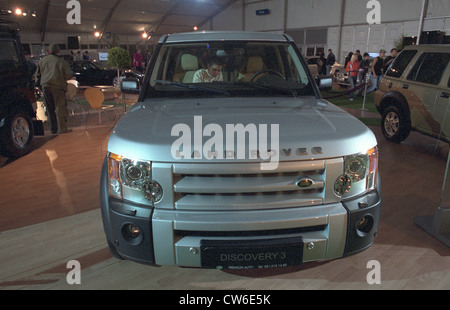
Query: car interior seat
189, 65
254, 64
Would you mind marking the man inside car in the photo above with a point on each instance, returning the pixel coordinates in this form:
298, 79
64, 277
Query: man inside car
213, 73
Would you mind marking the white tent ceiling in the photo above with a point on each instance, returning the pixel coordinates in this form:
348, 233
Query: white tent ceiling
121, 17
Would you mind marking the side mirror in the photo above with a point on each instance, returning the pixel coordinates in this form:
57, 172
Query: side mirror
325, 82
129, 86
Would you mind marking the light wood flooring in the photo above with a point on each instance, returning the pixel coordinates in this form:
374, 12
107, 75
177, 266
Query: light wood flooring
49, 215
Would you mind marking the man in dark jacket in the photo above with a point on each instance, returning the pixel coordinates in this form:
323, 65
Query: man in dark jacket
52, 74
331, 59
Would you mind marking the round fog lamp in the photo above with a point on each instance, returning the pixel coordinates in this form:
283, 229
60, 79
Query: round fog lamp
342, 185
153, 191
364, 225
132, 233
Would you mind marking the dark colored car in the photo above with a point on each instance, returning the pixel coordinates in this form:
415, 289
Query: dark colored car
91, 73
17, 98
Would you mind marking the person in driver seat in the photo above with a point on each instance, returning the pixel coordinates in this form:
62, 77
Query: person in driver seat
213, 72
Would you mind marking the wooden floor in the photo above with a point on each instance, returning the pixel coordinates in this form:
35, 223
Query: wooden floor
49, 215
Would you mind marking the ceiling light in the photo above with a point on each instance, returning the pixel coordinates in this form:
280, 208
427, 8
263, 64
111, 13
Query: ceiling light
97, 34
144, 35
18, 12
195, 28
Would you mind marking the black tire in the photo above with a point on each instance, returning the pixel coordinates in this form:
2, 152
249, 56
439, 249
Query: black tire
16, 136
395, 125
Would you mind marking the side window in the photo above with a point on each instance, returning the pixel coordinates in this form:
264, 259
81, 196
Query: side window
429, 68
400, 63
9, 59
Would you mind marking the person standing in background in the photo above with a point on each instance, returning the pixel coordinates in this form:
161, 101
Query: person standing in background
352, 69
52, 74
137, 61
331, 59
376, 71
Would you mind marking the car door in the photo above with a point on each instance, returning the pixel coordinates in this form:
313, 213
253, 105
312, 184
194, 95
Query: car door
13, 72
424, 88
441, 110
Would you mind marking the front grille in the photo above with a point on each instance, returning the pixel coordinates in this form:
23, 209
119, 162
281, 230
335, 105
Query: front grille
240, 186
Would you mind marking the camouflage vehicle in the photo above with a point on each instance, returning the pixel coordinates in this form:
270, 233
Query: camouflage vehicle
414, 93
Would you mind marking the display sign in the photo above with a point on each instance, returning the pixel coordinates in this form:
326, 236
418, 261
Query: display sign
102, 56
263, 12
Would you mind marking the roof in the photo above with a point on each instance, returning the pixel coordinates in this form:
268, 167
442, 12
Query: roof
116, 17
429, 47
224, 36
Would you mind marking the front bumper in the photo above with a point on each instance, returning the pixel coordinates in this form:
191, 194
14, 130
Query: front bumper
173, 237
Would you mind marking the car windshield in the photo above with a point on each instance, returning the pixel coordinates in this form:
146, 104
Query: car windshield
229, 68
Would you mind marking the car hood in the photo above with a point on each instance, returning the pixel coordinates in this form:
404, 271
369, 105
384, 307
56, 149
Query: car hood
307, 129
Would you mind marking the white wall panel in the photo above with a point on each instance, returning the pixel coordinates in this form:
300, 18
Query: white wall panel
393, 33
361, 38
391, 11
229, 19
438, 8
273, 21
376, 38
312, 13
332, 39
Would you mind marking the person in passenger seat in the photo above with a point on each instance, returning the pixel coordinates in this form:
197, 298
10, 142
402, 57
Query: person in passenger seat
213, 72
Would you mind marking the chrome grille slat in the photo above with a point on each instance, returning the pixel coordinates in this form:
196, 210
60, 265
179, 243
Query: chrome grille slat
239, 184
244, 186
248, 201
245, 168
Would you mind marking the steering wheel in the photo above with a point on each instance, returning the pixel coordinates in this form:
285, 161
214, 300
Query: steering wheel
264, 71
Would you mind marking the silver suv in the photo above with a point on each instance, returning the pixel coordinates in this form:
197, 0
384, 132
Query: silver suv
253, 170
414, 93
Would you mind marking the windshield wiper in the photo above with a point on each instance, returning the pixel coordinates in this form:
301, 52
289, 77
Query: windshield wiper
193, 86
269, 87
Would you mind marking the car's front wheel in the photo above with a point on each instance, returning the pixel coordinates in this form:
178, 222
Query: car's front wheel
16, 135
395, 125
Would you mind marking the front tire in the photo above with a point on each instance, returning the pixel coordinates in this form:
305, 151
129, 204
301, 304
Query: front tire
17, 135
395, 125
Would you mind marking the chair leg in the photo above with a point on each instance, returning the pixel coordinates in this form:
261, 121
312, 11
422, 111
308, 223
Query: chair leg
87, 119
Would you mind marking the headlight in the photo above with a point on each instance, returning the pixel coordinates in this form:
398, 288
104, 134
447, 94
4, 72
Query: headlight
132, 180
360, 174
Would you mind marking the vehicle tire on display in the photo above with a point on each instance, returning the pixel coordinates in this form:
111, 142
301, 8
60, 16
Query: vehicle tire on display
395, 125
16, 135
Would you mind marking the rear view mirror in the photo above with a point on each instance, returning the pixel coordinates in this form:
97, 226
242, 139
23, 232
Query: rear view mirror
129, 86
325, 82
